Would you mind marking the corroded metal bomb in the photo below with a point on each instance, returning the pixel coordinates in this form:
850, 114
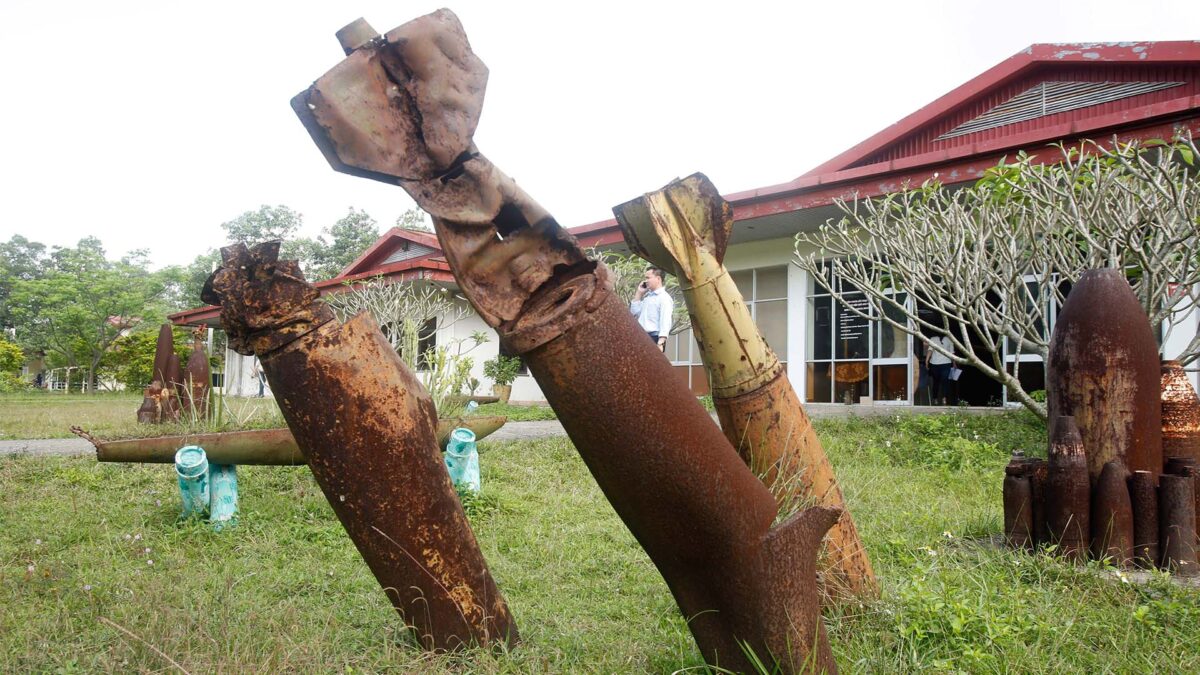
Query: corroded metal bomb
1067, 490
163, 349
367, 428
1143, 498
1180, 413
1177, 523
1112, 516
1018, 502
198, 379
1103, 369
1187, 466
1038, 469
684, 228
402, 108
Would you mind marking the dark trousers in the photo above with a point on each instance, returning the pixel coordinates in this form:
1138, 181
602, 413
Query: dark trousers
940, 372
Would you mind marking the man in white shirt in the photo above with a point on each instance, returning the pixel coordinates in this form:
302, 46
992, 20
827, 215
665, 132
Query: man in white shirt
653, 306
939, 368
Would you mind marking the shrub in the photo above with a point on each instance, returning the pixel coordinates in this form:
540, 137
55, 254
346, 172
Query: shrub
503, 369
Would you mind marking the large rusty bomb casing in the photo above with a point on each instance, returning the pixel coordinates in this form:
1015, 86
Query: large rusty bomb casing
1018, 503
1112, 516
684, 228
702, 516
1180, 413
367, 427
1067, 490
1103, 370
1143, 497
1177, 524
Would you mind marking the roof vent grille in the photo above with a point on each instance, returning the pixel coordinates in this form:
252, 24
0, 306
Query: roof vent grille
1049, 98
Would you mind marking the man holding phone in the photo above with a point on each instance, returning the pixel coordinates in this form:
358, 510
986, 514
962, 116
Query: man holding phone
652, 307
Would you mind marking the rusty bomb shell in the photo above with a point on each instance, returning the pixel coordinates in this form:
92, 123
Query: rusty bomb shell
1180, 413
367, 428
1103, 370
163, 349
1112, 516
684, 228
199, 379
1186, 466
703, 518
1018, 503
148, 412
1067, 490
1143, 498
1177, 524
1037, 470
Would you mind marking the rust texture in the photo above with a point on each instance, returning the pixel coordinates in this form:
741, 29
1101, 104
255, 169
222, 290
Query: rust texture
198, 379
162, 354
684, 228
1103, 369
148, 413
1180, 413
1037, 470
368, 430
704, 519
1018, 503
1186, 466
1112, 516
1143, 497
1067, 490
1177, 523
270, 447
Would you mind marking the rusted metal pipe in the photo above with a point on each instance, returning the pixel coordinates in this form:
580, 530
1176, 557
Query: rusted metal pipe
1177, 522
368, 430
271, 447
1067, 490
1112, 516
1143, 497
684, 228
704, 519
1103, 369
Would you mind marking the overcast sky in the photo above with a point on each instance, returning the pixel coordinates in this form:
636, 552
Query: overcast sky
148, 124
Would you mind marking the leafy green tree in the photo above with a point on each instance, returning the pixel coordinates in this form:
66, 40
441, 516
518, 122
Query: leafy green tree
265, 224
20, 260
83, 302
11, 356
416, 220
352, 234
131, 359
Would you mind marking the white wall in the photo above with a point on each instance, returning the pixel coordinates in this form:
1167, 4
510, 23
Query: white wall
524, 388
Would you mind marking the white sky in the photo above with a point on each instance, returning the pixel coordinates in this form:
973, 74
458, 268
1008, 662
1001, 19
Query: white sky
148, 124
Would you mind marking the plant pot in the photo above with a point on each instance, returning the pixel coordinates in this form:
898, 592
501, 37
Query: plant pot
502, 391
482, 426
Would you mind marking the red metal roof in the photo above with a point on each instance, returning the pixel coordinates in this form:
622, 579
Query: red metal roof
386, 244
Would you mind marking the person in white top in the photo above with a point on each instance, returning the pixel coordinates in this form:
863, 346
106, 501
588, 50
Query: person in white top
939, 368
652, 306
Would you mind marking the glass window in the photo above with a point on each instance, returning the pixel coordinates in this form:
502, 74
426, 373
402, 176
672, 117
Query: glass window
819, 381
891, 342
853, 331
891, 382
771, 284
820, 328
771, 318
851, 380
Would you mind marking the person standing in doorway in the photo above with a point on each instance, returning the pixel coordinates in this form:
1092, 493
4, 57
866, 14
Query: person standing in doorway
939, 368
652, 306
258, 374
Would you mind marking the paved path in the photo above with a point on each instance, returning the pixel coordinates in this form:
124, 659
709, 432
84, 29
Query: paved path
513, 431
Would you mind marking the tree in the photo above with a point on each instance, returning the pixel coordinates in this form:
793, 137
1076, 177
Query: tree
352, 234
265, 224
987, 264
82, 302
20, 260
414, 219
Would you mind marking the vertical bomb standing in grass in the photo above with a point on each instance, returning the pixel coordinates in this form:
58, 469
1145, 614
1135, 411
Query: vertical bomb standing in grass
684, 228
704, 519
368, 430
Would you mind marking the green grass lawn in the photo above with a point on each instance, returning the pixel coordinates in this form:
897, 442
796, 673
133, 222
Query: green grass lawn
87, 548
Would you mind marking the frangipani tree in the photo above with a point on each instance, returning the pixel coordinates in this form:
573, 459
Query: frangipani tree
986, 265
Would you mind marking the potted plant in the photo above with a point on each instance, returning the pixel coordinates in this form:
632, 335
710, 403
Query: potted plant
503, 370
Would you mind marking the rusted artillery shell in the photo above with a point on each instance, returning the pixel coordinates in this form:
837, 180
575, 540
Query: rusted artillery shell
198, 380
1143, 497
1178, 465
1067, 491
367, 428
148, 412
163, 349
1103, 369
1037, 471
1112, 516
1018, 503
1180, 413
1177, 523
1186, 466
697, 510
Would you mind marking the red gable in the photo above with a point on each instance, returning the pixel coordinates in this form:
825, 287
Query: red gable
395, 245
